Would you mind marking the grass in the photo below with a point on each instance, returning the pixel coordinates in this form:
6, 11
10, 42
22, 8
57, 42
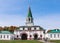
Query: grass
19, 41
55, 41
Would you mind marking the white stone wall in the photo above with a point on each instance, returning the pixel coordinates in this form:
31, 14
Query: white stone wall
29, 33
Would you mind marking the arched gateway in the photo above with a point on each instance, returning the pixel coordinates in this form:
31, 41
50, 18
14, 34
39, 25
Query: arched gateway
24, 36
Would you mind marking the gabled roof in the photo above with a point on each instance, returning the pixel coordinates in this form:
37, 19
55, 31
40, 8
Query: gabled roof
54, 31
5, 32
29, 13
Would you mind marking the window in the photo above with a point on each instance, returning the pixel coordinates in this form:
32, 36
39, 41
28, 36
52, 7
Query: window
35, 28
58, 35
0, 36
4, 36
23, 28
51, 35
7, 36
54, 35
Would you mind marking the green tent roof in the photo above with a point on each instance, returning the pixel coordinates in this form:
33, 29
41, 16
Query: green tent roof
5, 32
54, 31
29, 13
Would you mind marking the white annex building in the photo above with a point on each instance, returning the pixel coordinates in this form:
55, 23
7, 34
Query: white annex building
29, 31
53, 34
6, 35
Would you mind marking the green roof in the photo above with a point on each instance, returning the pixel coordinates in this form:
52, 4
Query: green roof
5, 32
29, 13
54, 31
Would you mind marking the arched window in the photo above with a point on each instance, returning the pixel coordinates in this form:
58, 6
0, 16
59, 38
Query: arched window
30, 35
41, 36
29, 19
17, 36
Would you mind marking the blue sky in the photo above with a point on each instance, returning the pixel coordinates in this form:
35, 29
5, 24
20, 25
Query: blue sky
46, 13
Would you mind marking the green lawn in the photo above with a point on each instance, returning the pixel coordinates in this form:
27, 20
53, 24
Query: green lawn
19, 41
56, 41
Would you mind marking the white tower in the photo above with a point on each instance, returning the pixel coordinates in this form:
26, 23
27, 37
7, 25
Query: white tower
29, 19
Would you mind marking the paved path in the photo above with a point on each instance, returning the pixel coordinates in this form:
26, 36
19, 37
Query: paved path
45, 41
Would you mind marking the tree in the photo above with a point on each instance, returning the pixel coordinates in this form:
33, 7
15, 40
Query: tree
6, 28
12, 28
1, 28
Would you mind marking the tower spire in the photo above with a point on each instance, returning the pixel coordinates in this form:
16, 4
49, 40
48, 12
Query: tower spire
29, 12
29, 19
